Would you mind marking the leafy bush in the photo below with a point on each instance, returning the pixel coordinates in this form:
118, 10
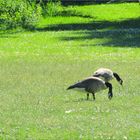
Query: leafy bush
51, 8
24, 13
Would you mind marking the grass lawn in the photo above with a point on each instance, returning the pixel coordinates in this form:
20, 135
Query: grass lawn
37, 66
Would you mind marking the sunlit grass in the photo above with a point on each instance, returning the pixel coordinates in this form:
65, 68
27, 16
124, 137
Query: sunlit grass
37, 67
101, 12
105, 12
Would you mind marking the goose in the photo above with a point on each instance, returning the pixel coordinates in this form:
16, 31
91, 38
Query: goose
92, 85
107, 75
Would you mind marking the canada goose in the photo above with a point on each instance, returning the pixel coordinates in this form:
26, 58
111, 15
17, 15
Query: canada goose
107, 75
92, 85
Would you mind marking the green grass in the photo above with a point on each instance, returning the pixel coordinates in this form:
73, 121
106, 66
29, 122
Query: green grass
111, 12
37, 67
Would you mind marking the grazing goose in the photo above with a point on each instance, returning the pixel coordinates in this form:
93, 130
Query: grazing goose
92, 85
107, 75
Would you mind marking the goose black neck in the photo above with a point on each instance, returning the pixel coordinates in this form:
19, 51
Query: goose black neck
117, 76
109, 86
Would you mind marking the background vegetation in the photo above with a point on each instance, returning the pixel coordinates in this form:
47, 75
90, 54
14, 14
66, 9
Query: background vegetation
37, 66
26, 13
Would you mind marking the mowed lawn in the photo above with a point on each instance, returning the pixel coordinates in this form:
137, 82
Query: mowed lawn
37, 66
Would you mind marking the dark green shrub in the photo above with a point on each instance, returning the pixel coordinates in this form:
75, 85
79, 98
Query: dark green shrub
23, 13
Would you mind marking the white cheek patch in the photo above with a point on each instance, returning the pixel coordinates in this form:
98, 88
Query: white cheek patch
101, 77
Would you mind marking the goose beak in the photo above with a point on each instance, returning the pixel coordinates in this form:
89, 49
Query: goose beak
121, 82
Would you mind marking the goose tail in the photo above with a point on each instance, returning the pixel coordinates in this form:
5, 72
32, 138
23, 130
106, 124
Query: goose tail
73, 86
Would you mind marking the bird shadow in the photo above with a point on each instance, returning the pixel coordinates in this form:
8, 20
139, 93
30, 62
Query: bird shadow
79, 100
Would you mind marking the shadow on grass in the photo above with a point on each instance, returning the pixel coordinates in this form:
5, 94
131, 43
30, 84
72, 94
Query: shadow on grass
7, 36
127, 24
80, 100
113, 37
89, 2
10, 33
124, 33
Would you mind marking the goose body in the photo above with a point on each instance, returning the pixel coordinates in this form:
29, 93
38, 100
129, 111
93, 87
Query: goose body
92, 85
107, 75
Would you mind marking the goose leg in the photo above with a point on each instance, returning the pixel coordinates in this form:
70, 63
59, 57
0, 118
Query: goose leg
87, 96
110, 95
93, 96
